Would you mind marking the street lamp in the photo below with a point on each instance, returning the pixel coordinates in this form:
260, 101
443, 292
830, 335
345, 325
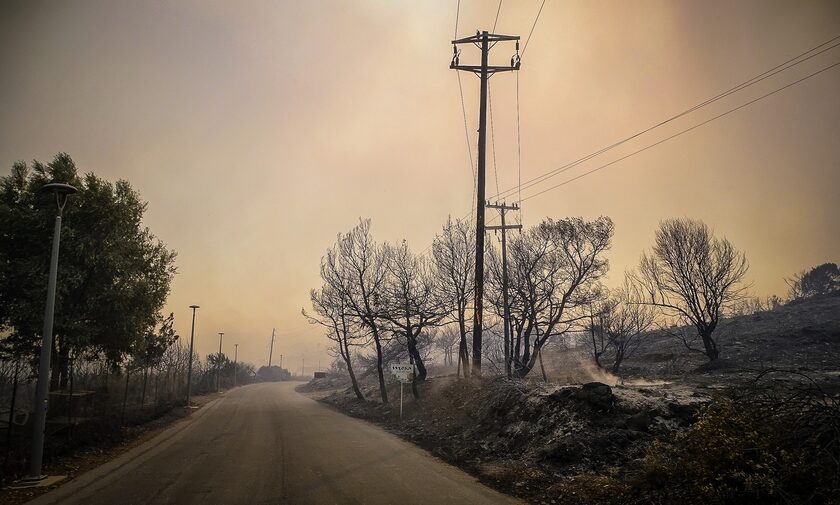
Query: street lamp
61, 192
219, 360
189, 369
235, 356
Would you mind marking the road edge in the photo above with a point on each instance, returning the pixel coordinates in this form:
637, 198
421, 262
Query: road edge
135, 455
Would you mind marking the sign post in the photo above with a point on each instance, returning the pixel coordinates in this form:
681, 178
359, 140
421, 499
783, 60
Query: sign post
404, 372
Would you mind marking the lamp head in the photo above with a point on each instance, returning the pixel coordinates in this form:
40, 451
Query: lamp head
61, 191
59, 188
194, 307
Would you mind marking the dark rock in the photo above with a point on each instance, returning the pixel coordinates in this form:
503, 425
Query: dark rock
562, 394
639, 422
566, 451
597, 394
683, 411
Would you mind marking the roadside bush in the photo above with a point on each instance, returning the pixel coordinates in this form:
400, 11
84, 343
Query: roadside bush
736, 454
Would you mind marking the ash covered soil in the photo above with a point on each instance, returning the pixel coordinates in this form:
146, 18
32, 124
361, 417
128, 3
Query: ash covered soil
520, 436
592, 441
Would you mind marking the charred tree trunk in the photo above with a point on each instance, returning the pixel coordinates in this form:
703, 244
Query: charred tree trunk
620, 351
709, 345
517, 348
379, 372
416, 359
345, 353
542, 367
463, 353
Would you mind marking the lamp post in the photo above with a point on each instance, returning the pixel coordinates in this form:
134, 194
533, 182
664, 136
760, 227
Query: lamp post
61, 192
189, 369
235, 356
219, 360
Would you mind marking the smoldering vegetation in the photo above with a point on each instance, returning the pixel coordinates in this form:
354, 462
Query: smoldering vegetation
679, 386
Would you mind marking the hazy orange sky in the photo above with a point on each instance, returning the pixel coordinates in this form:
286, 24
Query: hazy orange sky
259, 130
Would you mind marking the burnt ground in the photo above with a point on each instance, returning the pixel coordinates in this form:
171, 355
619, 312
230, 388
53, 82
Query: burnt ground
578, 443
803, 334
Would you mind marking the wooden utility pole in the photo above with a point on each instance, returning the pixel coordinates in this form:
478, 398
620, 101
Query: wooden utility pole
484, 41
506, 313
271, 349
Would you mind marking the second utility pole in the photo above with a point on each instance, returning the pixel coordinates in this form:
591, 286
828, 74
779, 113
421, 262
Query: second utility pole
484, 41
506, 312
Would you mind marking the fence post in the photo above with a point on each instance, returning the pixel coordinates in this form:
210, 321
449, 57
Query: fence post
12, 406
125, 395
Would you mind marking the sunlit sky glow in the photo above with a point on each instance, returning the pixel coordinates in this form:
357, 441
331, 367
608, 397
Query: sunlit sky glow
259, 130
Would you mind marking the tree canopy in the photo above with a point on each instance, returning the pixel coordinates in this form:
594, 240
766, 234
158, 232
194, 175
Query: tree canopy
820, 280
114, 275
692, 276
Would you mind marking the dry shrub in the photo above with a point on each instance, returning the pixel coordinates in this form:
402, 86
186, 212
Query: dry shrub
776, 444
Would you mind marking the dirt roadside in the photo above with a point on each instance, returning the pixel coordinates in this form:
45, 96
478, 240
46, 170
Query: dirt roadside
533, 441
78, 463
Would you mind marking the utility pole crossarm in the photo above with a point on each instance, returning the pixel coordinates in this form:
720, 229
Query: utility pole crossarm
491, 37
502, 205
505, 227
491, 69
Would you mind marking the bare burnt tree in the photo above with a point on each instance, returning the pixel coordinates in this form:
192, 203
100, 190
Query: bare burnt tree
597, 342
357, 268
553, 277
693, 277
622, 325
453, 251
446, 341
412, 303
331, 310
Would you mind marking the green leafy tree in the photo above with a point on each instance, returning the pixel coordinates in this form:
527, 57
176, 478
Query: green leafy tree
820, 280
114, 274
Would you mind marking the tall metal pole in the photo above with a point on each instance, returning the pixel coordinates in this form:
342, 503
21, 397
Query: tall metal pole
189, 369
219, 360
42, 389
235, 356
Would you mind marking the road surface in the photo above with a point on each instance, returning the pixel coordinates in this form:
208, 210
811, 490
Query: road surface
267, 444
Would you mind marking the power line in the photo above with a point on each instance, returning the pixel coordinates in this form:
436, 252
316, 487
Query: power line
457, 15
493, 138
682, 132
532, 28
467, 137
749, 82
498, 10
518, 153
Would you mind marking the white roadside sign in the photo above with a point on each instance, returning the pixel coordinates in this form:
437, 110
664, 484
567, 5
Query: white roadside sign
402, 371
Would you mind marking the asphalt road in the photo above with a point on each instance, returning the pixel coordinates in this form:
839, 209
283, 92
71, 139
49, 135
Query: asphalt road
267, 444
